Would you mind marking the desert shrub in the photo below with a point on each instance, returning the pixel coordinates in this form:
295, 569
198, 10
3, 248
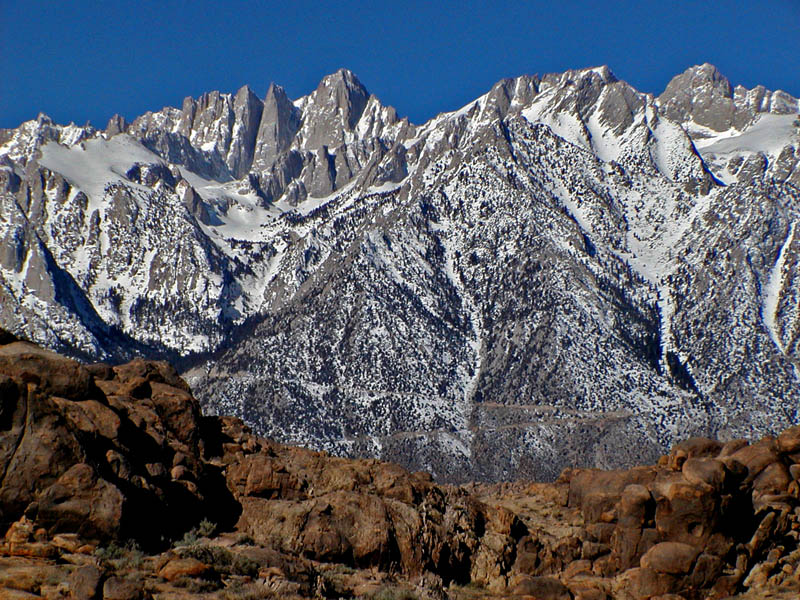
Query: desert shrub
388, 593
223, 560
339, 568
204, 528
127, 555
196, 586
189, 538
240, 592
111, 552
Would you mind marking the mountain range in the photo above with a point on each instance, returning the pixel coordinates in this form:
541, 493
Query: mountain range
565, 271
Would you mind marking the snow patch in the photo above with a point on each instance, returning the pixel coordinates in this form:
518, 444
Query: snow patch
772, 292
241, 215
768, 134
94, 164
565, 125
606, 145
384, 188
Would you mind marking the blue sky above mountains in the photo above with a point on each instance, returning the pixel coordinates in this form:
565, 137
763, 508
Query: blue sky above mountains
85, 60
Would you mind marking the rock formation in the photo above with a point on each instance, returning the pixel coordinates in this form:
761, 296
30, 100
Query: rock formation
114, 485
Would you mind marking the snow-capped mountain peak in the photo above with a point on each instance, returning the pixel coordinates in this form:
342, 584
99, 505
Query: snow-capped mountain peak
561, 270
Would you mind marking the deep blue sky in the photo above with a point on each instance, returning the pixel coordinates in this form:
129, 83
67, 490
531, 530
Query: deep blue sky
81, 61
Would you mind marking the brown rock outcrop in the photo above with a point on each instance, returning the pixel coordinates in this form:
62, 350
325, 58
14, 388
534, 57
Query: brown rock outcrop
84, 450
183, 567
79, 501
709, 519
674, 558
121, 588
124, 453
358, 512
84, 583
95, 454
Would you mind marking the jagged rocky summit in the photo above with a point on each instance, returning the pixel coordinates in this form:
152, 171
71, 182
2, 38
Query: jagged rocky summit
115, 486
565, 271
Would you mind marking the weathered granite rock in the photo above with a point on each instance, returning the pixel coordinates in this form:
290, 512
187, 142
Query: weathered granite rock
122, 588
84, 583
80, 448
97, 454
183, 567
674, 558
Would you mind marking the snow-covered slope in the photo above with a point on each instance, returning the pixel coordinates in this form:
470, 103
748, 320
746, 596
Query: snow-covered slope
564, 271
766, 137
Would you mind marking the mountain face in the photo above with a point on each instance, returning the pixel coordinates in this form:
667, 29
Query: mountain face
565, 271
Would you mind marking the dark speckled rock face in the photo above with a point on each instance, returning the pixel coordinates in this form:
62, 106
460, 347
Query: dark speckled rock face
565, 271
706, 96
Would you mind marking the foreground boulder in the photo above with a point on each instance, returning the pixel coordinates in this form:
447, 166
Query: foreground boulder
123, 453
94, 450
113, 485
708, 520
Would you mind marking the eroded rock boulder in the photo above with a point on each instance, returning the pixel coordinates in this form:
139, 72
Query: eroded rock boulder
710, 518
358, 512
90, 450
95, 454
119, 453
674, 558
